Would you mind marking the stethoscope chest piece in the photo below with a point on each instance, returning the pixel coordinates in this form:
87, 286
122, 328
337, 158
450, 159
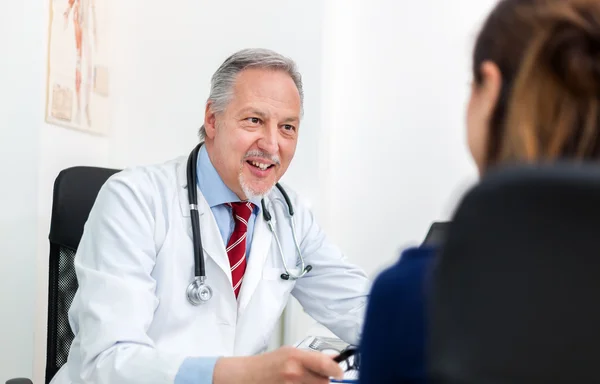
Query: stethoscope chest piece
198, 292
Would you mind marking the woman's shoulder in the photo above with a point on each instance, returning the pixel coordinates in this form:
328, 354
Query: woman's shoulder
409, 270
411, 260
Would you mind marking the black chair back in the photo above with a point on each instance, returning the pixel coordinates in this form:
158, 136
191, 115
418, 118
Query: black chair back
75, 191
436, 234
516, 286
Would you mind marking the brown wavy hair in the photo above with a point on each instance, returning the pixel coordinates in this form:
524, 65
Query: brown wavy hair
548, 52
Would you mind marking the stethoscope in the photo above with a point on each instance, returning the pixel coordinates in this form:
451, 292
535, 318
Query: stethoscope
198, 292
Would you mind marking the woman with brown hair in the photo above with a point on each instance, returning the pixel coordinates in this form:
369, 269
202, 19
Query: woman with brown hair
536, 88
535, 98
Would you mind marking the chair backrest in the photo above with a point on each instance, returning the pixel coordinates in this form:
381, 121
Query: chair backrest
516, 286
75, 191
436, 234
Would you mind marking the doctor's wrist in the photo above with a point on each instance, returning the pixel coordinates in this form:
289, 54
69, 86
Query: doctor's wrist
234, 370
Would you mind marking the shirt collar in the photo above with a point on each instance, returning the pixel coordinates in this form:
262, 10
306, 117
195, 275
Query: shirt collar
212, 186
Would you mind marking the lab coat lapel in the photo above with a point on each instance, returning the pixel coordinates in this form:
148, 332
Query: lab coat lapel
261, 246
212, 243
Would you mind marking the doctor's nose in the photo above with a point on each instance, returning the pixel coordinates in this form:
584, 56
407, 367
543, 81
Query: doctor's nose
268, 142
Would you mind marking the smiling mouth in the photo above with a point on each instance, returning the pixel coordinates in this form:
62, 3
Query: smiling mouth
259, 165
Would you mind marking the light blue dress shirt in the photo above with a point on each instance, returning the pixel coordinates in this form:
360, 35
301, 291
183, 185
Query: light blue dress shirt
199, 370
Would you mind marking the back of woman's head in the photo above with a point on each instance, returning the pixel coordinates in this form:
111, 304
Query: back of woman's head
547, 53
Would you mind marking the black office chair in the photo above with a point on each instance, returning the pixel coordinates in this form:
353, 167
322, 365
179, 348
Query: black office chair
436, 234
75, 191
516, 286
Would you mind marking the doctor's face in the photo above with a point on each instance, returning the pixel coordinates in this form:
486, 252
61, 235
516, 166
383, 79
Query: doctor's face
252, 142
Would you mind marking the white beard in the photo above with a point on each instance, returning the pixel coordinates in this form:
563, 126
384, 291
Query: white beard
249, 192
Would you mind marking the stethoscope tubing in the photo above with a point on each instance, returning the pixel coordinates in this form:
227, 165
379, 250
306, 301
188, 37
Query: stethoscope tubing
199, 283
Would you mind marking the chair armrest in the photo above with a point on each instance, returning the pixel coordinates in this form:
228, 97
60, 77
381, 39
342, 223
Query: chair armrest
19, 381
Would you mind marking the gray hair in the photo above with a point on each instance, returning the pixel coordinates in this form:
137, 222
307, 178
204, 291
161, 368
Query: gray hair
223, 80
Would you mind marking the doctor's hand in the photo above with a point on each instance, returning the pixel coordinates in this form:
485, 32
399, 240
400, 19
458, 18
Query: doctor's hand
285, 365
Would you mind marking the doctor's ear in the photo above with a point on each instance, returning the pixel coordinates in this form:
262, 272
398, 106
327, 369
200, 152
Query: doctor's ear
210, 119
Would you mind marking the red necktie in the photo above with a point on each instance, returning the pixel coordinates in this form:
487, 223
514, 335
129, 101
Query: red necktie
236, 247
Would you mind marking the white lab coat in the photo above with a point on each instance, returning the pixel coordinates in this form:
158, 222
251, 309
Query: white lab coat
131, 317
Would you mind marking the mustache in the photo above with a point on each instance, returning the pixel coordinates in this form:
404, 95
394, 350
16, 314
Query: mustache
263, 155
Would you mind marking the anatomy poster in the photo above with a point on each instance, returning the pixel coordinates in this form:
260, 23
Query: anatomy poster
78, 92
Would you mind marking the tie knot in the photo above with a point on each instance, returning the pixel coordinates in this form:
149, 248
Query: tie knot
241, 210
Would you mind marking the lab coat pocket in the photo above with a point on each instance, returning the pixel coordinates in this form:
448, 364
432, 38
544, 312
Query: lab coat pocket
276, 287
272, 273
276, 293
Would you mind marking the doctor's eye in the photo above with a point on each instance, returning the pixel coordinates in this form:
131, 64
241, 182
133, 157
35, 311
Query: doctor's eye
253, 120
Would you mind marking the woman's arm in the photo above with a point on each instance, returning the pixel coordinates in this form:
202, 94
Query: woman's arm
393, 340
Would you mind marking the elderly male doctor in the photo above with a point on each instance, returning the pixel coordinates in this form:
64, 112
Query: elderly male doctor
132, 320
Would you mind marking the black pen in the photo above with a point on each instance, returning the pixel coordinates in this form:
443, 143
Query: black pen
345, 354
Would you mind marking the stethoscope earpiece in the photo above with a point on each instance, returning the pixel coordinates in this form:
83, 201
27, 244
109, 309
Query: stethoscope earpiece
286, 276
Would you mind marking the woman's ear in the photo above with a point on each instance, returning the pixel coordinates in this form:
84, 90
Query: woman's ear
481, 107
489, 89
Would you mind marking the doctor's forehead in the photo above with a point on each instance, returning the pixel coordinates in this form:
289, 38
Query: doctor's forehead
268, 90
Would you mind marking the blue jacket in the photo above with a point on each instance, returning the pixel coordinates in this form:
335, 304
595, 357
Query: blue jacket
394, 336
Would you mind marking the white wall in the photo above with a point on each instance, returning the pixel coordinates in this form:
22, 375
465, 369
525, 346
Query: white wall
21, 75
375, 74
395, 82
398, 136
